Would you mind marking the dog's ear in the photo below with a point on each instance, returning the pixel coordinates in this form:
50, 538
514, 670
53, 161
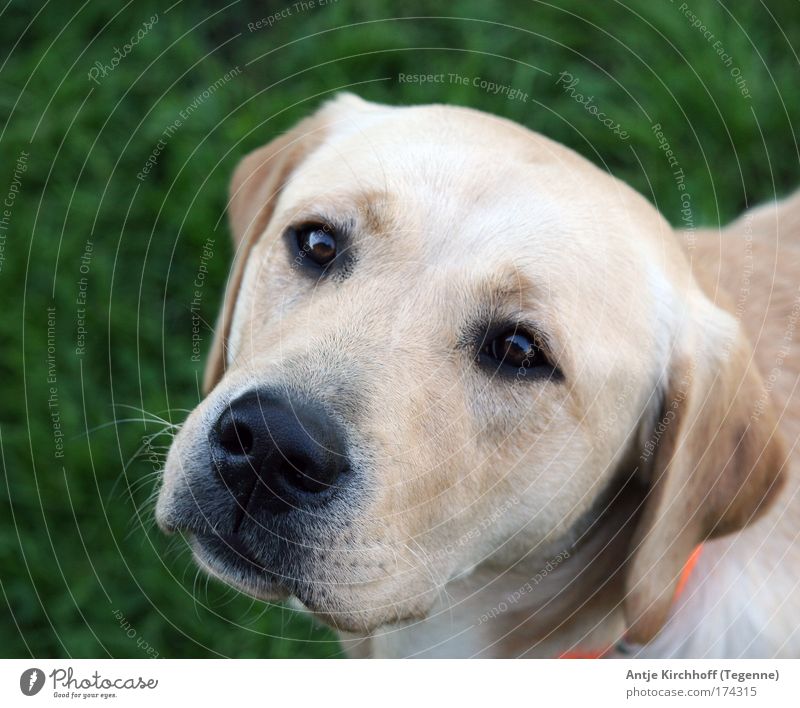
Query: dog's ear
715, 460
255, 187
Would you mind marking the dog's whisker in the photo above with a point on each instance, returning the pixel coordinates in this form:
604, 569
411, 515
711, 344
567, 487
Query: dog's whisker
122, 421
155, 417
438, 582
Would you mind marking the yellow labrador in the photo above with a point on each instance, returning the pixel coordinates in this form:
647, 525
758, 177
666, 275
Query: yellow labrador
472, 396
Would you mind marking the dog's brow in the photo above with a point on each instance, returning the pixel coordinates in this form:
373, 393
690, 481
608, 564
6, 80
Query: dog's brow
372, 211
369, 210
511, 294
511, 284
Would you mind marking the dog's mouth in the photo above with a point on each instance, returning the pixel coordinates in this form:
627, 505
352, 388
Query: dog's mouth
226, 557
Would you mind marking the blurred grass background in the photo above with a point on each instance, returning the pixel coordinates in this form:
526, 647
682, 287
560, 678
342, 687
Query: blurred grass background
83, 571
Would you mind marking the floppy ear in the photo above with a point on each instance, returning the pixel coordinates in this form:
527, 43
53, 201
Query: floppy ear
715, 463
254, 191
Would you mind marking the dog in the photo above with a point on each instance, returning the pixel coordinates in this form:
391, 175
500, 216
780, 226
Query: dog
471, 396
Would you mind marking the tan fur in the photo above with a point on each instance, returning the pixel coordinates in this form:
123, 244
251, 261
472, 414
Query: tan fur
476, 484
254, 190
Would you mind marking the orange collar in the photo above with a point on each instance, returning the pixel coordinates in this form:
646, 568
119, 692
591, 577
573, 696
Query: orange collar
679, 588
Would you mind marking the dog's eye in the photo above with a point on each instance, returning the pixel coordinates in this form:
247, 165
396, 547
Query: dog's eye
515, 348
317, 242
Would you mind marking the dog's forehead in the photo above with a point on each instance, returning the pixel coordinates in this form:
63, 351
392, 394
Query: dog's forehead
452, 171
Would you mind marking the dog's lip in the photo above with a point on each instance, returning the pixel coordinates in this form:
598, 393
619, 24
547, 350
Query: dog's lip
227, 558
234, 566
217, 551
226, 547
166, 526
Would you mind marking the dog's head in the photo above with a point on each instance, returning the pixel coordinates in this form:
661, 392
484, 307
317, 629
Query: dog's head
443, 338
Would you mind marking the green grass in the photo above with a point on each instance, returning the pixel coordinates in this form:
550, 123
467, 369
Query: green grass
77, 542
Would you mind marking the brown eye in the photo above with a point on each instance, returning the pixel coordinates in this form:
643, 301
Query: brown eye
516, 349
318, 243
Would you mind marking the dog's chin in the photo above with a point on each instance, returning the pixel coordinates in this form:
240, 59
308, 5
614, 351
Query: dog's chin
227, 560
361, 623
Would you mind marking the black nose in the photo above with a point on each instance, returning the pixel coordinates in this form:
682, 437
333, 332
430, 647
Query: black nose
276, 453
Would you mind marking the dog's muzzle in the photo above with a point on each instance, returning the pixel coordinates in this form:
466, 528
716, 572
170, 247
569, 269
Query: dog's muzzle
264, 492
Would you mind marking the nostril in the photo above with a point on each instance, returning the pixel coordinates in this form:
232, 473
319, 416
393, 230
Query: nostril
235, 437
301, 473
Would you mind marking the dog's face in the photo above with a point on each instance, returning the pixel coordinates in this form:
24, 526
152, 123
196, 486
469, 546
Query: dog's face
444, 337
